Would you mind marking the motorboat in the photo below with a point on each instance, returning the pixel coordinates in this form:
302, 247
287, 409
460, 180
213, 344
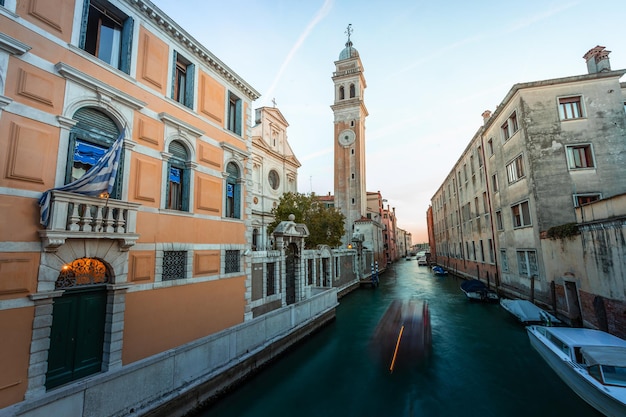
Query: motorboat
439, 270
403, 335
421, 261
528, 313
591, 362
477, 290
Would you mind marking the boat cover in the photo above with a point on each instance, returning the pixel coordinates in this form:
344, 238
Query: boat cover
604, 355
473, 285
526, 311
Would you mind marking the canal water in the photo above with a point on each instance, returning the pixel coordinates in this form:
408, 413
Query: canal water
481, 364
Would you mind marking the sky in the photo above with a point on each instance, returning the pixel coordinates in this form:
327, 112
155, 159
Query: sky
432, 68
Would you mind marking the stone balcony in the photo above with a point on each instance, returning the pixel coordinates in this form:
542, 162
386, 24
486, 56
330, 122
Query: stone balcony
76, 216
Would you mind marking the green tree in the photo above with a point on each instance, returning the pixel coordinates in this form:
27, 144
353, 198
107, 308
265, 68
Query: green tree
325, 224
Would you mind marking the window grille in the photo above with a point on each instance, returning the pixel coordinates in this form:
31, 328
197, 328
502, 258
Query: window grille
231, 261
174, 265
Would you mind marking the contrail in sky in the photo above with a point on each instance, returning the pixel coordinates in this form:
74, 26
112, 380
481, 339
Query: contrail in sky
522, 24
321, 13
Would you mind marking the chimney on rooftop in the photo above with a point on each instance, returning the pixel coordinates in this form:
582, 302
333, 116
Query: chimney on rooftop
486, 115
597, 60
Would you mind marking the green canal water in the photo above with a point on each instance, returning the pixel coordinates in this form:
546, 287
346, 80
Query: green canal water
481, 364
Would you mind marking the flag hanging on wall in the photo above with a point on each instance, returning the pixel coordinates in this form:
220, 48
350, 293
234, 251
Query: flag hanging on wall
99, 179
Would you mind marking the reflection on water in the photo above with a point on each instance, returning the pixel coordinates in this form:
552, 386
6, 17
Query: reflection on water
480, 364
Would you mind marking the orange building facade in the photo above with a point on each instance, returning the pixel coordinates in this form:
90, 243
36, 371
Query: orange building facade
111, 281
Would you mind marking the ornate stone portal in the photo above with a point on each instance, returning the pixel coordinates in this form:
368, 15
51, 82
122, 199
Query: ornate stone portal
289, 237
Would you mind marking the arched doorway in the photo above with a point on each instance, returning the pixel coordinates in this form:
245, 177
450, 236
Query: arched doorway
290, 273
78, 321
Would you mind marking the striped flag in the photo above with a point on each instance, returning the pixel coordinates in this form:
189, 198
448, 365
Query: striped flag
99, 179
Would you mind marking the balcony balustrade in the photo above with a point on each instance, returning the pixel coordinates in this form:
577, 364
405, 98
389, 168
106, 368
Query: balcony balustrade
76, 216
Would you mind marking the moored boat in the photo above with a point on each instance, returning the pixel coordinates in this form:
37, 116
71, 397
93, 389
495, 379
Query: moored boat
591, 362
528, 313
439, 270
477, 290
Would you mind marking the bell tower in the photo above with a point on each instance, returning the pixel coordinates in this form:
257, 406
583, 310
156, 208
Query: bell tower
349, 136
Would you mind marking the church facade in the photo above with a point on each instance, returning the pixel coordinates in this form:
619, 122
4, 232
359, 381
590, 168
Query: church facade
274, 171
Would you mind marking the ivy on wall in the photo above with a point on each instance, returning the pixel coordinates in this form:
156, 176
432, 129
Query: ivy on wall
564, 231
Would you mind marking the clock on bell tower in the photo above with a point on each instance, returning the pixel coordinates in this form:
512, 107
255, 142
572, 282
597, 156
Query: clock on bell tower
349, 118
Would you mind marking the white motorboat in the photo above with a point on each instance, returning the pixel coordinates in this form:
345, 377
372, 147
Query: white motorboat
591, 362
528, 313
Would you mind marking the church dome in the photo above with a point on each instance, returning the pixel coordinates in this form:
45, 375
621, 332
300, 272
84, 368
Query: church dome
348, 52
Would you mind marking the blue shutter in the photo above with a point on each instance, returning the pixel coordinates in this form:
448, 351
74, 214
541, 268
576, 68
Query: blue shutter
127, 45
83, 25
175, 59
189, 88
238, 116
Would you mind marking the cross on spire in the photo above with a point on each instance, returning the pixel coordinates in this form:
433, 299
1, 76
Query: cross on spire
274, 102
349, 31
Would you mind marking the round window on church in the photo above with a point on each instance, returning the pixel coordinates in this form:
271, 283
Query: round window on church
274, 179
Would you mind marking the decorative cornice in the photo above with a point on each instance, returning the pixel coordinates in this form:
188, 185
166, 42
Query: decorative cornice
237, 151
98, 86
12, 46
168, 118
4, 101
160, 19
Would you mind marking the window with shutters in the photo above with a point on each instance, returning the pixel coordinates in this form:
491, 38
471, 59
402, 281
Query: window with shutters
580, 157
570, 108
107, 33
494, 182
521, 214
510, 126
527, 263
90, 138
504, 261
178, 178
183, 80
582, 199
499, 225
234, 118
515, 170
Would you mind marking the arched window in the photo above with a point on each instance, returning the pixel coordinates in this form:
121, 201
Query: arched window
352, 91
342, 93
90, 138
177, 178
233, 192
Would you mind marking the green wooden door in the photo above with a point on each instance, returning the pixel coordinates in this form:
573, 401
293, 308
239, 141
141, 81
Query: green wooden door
77, 336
